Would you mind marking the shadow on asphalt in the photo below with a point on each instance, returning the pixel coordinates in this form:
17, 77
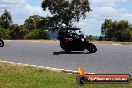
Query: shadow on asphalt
63, 52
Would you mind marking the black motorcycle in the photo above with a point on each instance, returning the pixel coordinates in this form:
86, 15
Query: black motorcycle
1, 43
70, 40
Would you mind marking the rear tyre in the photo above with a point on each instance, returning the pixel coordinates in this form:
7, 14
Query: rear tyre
91, 48
1, 43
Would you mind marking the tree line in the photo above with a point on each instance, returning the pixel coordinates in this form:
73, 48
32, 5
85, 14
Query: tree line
117, 30
63, 11
33, 28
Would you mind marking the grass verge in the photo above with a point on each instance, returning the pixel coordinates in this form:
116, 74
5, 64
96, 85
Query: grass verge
124, 43
111, 42
17, 76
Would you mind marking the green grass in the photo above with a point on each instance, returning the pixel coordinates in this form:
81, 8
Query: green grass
123, 43
16, 76
126, 43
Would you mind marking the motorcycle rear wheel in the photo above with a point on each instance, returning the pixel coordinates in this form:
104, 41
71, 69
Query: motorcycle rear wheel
1, 43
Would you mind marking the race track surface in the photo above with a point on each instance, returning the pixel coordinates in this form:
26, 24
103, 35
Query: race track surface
108, 58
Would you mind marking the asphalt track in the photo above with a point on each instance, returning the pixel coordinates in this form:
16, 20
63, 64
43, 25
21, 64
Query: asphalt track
115, 59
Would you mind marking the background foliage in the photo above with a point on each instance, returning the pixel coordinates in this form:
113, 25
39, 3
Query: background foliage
66, 11
33, 28
117, 30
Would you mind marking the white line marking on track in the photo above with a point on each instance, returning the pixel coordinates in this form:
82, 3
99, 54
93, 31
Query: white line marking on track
48, 68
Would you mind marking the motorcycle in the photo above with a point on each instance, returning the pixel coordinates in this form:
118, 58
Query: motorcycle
1, 43
71, 41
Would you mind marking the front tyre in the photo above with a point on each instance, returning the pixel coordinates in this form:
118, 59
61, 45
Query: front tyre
63, 46
1, 43
91, 48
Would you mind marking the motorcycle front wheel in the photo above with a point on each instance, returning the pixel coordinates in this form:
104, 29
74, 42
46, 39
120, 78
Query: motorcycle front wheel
1, 43
91, 48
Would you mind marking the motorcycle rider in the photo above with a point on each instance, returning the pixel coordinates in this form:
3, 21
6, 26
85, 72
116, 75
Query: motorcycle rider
62, 32
70, 40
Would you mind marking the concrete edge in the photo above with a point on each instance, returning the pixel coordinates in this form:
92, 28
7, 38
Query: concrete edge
47, 68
